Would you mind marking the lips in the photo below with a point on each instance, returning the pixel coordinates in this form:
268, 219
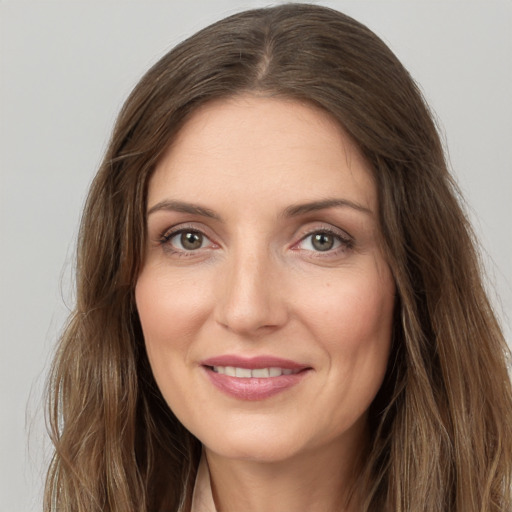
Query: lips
247, 373
254, 378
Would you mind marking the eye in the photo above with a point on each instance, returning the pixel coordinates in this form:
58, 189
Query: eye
324, 241
186, 240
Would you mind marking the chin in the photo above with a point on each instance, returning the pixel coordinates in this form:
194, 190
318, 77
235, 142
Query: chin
261, 452
265, 445
276, 444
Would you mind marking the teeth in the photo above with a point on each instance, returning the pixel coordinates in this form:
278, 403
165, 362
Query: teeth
261, 373
246, 373
243, 372
230, 370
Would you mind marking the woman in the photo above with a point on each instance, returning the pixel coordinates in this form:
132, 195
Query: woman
279, 304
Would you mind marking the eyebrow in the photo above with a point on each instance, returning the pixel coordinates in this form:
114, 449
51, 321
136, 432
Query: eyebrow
301, 209
182, 207
290, 211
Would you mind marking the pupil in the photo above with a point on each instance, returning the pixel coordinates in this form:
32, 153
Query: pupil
191, 241
323, 242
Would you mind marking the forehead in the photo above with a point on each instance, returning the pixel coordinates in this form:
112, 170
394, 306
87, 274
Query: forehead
279, 149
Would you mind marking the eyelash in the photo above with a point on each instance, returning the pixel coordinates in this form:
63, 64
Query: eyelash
346, 242
166, 237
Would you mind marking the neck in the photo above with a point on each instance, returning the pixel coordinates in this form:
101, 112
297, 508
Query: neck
321, 481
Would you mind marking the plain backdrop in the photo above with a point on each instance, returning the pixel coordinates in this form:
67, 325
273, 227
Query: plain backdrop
67, 66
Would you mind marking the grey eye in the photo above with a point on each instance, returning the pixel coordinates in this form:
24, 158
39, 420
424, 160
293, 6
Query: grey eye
191, 241
323, 241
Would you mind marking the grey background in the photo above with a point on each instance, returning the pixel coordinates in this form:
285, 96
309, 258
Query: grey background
66, 67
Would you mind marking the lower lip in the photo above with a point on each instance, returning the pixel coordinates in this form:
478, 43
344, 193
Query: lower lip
253, 388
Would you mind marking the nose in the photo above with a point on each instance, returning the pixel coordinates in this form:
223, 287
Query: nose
251, 299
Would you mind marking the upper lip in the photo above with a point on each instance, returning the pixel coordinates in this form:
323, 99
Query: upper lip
264, 361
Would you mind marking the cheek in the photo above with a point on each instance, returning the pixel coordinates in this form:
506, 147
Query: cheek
351, 319
353, 308
171, 313
168, 306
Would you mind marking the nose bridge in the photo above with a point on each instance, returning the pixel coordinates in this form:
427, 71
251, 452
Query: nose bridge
250, 298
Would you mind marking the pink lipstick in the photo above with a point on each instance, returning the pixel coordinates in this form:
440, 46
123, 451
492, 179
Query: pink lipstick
253, 378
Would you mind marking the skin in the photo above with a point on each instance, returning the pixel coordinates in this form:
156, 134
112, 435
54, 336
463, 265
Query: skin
258, 285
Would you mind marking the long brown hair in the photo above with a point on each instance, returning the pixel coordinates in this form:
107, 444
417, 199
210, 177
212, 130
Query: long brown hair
441, 424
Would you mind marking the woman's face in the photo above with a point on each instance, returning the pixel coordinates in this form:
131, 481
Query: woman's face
265, 301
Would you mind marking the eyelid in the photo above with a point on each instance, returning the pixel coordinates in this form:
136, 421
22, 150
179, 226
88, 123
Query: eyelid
326, 228
169, 230
175, 235
346, 240
169, 233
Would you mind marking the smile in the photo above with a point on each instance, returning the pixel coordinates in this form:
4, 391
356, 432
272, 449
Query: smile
259, 373
254, 378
